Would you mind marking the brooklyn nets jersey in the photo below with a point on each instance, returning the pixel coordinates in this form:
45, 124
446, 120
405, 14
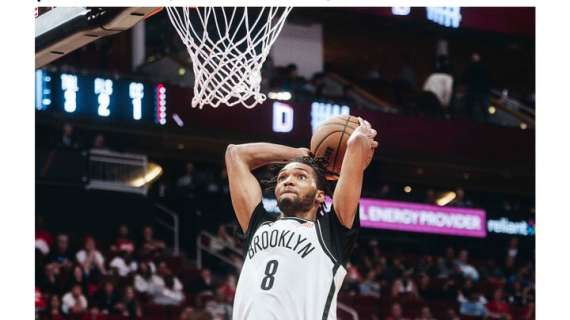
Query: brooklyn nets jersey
293, 268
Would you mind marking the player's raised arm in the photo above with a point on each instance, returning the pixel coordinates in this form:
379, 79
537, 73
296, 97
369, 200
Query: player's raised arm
359, 153
241, 159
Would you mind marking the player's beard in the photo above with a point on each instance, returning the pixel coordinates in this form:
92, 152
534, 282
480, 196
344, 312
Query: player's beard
291, 206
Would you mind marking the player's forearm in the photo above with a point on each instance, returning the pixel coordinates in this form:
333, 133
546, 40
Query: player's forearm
358, 153
258, 154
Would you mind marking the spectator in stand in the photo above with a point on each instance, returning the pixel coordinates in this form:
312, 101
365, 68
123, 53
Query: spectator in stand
91, 260
62, 255
228, 288
132, 309
529, 312
44, 239
219, 307
222, 241
472, 305
186, 314
466, 269
151, 247
317, 85
225, 189
405, 85
449, 289
370, 287
188, 184
78, 278
425, 314
404, 287
293, 82
353, 279
68, 138
143, 278
107, 300
204, 284
190, 314
407, 74
396, 270
440, 84
491, 271
451, 315
54, 311
426, 265
513, 249
74, 302
51, 281
236, 260
123, 242
40, 302
509, 269
123, 264
516, 294
443, 269
425, 290
396, 313
99, 142
477, 86
166, 289
498, 308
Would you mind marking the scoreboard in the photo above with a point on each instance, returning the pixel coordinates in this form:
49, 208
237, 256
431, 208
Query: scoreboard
102, 97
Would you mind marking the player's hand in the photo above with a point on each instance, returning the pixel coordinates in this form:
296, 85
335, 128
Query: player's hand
305, 152
365, 134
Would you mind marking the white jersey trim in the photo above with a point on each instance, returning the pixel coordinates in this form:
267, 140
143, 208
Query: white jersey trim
323, 243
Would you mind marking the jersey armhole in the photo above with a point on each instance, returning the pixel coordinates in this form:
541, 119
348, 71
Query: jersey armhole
258, 216
337, 240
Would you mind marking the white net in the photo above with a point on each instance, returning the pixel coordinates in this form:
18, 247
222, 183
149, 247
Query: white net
228, 47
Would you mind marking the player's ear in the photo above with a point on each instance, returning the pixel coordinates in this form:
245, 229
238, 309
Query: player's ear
320, 196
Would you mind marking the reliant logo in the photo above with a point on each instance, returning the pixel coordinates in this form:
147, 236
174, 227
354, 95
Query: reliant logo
506, 226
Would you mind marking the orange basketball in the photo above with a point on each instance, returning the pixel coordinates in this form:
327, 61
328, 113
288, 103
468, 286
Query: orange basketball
330, 140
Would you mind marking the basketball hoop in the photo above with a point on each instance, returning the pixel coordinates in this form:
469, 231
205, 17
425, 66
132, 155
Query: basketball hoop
228, 47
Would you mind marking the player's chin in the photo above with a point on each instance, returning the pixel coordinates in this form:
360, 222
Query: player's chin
286, 200
287, 196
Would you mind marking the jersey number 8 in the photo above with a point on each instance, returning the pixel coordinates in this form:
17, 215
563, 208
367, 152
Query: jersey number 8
270, 270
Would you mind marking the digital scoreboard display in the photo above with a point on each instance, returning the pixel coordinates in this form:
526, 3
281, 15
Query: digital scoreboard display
101, 97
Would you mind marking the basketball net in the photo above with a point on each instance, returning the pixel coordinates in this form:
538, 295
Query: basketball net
227, 62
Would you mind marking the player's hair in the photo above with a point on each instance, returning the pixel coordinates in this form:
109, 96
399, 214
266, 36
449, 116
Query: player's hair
319, 166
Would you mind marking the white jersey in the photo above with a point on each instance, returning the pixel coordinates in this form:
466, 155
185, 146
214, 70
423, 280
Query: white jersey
293, 268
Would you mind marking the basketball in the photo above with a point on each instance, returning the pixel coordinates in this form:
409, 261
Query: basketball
330, 140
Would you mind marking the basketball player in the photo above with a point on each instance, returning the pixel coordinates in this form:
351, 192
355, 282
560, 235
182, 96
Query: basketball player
295, 264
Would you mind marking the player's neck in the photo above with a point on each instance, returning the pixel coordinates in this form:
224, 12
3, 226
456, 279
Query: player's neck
307, 215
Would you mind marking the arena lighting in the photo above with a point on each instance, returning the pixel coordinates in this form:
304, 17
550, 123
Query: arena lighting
445, 198
181, 71
284, 95
524, 126
400, 11
492, 110
407, 189
153, 171
446, 16
178, 120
